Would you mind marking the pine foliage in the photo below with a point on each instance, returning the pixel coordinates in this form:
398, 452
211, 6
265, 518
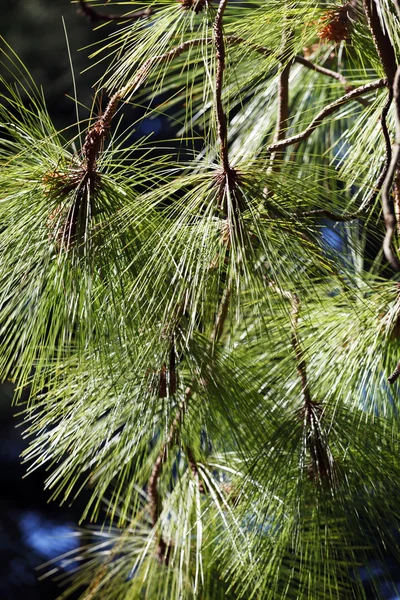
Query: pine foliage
209, 329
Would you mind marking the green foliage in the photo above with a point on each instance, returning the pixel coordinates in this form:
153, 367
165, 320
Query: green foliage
206, 328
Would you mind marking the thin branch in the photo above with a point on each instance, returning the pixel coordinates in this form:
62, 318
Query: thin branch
381, 39
94, 16
329, 73
194, 468
323, 70
327, 111
283, 92
145, 69
395, 375
154, 502
219, 80
295, 338
389, 215
97, 133
322, 465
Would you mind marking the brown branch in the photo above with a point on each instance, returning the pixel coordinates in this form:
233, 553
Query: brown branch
222, 128
154, 503
97, 133
327, 111
322, 467
396, 198
283, 103
329, 73
387, 56
194, 468
99, 130
381, 39
94, 16
395, 375
295, 339
323, 70
389, 215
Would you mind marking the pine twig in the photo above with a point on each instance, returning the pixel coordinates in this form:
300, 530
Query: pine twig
395, 375
388, 208
297, 347
381, 39
322, 465
94, 16
220, 115
194, 468
154, 503
329, 73
387, 201
327, 111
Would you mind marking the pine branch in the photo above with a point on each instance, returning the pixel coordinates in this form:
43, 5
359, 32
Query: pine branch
327, 111
389, 215
98, 132
381, 39
322, 467
94, 16
329, 73
154, 503
220, 115
194, 468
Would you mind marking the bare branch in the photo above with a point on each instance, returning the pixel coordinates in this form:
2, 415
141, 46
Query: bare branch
329, 73
395, 375
381, 39
219, 80
327, 111
323, 70
389, 215
194, 468
154, 502
94, 16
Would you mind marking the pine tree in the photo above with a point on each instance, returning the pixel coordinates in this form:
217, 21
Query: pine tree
208, 329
